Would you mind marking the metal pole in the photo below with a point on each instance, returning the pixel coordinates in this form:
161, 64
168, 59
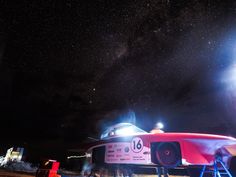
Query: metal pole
203, 171
216, 171
227, 171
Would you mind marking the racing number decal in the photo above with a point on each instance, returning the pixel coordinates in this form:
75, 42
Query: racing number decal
137, 144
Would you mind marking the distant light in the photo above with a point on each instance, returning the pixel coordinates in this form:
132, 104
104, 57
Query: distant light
160, 125
86, 155
229, 78
125, 131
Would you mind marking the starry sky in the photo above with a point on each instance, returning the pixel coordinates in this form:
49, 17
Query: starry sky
70, 68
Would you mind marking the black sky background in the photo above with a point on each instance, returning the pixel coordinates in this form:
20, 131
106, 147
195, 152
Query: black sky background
70, 68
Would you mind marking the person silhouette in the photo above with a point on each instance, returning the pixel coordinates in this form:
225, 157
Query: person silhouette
157, 129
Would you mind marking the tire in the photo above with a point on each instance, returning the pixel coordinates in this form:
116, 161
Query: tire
166, 154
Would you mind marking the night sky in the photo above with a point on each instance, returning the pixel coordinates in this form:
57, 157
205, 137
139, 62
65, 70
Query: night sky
70, 68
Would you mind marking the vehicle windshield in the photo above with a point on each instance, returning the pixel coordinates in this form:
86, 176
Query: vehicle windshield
121, 129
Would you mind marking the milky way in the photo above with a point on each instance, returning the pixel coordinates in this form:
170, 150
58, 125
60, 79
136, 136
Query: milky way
69, 68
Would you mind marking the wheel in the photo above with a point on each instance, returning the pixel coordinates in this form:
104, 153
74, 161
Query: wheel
166, 154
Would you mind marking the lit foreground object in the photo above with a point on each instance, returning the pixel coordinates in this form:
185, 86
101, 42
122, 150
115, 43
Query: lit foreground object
122, 129
48, 168
158, 128
172, 151
12, 155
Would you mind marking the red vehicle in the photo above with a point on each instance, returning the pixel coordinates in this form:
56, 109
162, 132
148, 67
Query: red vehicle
127, 146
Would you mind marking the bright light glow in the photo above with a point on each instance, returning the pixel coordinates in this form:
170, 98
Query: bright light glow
229, 78
125, 131
160, 125
121, 129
